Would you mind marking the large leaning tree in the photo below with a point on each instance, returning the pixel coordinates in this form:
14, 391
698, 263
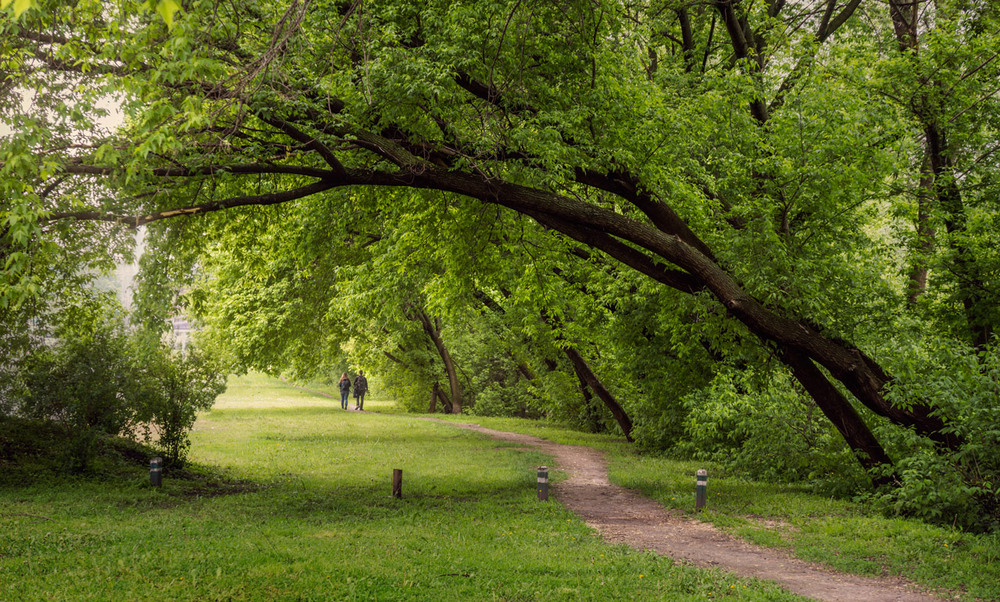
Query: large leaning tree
763, 157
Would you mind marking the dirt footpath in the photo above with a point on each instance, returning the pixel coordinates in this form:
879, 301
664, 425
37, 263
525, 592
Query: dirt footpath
624, 516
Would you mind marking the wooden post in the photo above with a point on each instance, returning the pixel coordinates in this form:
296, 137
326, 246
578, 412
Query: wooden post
543, 483
701, 489
156, 471
397, 482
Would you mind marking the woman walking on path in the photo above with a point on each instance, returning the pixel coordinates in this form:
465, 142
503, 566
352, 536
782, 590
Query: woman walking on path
360, 388
345, 390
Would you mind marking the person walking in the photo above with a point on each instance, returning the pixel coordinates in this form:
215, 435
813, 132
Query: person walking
345, 390
360, 388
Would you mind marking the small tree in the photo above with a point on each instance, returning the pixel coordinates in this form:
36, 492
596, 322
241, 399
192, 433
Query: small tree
172, 388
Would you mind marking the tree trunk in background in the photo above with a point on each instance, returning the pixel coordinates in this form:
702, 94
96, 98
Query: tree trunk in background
580, 366
433, 331
841, 413
587, 376
444, 399
944, 186
965, 265
434, 399
917, 278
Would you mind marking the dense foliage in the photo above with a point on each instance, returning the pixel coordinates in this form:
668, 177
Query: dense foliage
98, 378
752, 231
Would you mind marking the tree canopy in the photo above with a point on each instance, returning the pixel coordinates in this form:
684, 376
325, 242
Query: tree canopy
676, 203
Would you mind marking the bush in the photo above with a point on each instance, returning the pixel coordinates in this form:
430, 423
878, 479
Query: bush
171, 389
498, 400
82, 379
955, 487
98, 378
930, 489
766, 429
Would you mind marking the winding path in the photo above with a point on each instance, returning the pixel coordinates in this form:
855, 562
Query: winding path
624, 516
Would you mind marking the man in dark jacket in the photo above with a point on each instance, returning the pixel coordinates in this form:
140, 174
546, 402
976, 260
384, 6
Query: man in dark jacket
360, 388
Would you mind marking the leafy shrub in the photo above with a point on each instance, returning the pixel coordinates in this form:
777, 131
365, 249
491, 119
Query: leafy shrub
767, 429
956, 487
99, 378
172, 389
557, 396
30, 447
15, 337
499, 400
83, 379
930, 489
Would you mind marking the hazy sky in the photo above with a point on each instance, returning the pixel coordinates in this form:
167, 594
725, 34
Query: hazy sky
112, 105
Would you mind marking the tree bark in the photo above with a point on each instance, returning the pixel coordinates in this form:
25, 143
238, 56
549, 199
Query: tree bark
586, 375
448, 406
432, 332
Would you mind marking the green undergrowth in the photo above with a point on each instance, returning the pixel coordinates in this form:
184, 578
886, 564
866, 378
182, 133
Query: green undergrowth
34, 451
288, 498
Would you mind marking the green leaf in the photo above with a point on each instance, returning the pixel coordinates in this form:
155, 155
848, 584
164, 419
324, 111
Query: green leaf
20, 6
166, 10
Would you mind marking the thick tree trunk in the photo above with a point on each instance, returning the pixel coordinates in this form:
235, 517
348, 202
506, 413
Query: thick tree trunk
448, 407
433, 332
582, 369
586, 374
589, 404
965, 267
905, 14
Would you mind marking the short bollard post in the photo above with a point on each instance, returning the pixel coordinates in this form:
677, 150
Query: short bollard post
701, 490
156, 471
397, 482
543, 483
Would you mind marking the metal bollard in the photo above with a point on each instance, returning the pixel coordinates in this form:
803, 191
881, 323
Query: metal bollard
701, 489
397, 483
156, 471
543, 483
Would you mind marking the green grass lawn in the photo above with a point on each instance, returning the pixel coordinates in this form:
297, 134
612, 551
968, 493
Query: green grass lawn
289, 499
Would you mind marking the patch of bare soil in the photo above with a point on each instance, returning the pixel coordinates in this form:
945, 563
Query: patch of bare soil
623, 516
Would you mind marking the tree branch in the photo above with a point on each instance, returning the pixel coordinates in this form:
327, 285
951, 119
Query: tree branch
141, 220
207, 170
828, 26
309, 141
660, 214
741, 47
